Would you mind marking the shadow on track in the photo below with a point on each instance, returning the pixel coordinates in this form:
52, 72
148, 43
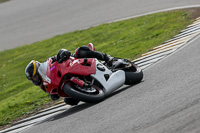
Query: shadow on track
122, 89
82, 106
70, 111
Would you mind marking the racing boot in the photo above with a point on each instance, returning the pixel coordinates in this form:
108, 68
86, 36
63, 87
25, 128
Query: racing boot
54, 97
109, 60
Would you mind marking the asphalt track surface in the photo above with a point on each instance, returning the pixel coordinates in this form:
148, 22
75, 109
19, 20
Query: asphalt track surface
168, 99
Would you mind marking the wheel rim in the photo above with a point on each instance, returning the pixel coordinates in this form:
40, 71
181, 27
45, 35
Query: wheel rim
92, 90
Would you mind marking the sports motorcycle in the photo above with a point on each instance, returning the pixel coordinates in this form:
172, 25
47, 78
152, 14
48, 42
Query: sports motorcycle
88, 79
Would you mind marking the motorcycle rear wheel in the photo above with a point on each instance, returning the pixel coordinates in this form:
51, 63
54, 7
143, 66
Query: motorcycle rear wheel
94, 97
133, 74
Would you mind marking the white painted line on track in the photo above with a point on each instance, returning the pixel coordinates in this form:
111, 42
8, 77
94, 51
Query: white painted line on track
152, 57
190, 32
184, 39
42, 114
29, 123
147, 57
20, 129
169, 46
145, 66
164, 10
150, 61
192, 27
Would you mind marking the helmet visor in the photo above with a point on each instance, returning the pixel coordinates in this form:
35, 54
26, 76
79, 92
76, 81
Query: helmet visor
36, 80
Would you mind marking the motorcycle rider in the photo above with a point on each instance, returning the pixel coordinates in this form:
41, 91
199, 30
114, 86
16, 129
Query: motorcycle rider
35, 71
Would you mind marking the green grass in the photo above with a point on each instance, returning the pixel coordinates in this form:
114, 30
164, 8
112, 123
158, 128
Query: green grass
125, 39
1, 1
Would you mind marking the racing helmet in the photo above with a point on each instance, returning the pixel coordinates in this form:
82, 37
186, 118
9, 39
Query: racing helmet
32, 74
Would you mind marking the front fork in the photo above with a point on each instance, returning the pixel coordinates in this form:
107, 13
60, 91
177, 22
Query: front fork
77, 81
80, 82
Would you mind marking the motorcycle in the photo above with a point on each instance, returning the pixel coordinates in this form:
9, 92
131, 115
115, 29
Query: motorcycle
88, 79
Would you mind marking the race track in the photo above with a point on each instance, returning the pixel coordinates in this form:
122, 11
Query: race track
168, 100
28, 21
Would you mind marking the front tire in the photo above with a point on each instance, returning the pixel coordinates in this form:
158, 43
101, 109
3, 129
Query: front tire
71, 90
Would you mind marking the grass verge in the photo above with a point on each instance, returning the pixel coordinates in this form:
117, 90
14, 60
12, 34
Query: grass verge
1, 1
125, 39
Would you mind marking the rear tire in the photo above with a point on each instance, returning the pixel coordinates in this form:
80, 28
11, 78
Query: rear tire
133, 74
70, 89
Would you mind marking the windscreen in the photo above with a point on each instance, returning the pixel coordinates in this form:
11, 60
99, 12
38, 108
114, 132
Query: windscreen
43, 70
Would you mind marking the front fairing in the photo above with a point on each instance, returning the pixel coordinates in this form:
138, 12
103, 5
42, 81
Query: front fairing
56, 71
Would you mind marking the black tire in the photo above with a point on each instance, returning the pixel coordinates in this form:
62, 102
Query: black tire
133, 74
71, 101
71, 90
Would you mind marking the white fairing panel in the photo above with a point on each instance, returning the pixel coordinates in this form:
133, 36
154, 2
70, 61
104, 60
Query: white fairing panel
115, 80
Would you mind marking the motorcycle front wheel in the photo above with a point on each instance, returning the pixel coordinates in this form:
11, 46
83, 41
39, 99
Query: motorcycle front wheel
92, 94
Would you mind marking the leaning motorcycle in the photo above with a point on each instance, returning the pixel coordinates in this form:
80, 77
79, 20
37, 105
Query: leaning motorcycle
88, 79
